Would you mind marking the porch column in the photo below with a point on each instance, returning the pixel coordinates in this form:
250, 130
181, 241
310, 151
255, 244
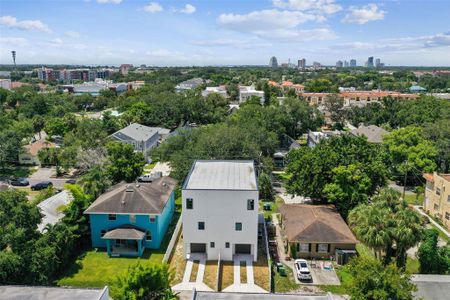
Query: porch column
139, 242
108, 247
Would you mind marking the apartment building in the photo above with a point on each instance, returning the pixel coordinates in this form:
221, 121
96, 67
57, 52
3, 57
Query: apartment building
437, 197
220, 209
246, 92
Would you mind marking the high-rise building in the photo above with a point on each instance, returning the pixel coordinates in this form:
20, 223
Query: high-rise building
346, 64
273, 63
316, 65
370, 62
352, 63
378, 63
302, 63
339, 64
125, 68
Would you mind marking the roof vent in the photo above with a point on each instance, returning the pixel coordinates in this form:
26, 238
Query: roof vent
123, 202
165, 184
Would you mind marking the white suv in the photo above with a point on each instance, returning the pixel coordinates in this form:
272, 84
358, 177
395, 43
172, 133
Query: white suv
301, 266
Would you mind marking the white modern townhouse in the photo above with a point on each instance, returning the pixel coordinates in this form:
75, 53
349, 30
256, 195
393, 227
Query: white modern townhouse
220, 209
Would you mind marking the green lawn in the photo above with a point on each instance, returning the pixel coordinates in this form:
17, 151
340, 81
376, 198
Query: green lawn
97, 269
284, 284
413, 199
149, 167
412, 265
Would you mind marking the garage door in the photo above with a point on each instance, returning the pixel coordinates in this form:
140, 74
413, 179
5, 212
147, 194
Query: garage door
198, 248
243, 249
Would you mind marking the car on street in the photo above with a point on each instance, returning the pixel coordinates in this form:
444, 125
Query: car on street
71, 181
19, 181
41, 185
301, 267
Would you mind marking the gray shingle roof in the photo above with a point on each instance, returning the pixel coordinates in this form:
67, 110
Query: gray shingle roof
136, 132
373, 133
145, 198
222, 175
124, 234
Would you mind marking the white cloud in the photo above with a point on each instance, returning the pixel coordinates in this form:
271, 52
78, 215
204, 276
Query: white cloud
230, 42
13, 41
153, 7
109, 1
276, 25
188, 9
364, 14
12, 22
265, 20
72, 34
164, 53
323, 6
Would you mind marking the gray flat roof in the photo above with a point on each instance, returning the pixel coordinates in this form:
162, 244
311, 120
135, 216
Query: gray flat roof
136, 131
18, 292
50, 209
258, 296
431, 287
222, 175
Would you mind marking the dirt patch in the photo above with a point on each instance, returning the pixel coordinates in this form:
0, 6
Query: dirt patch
261, 270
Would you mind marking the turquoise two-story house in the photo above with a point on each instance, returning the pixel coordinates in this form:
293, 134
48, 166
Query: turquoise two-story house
130, 218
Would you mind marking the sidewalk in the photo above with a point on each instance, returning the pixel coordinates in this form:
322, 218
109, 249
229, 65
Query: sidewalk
445, 231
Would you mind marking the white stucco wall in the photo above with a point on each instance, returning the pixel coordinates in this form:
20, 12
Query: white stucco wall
220, 210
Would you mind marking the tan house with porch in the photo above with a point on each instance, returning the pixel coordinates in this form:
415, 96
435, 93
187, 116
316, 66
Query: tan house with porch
314, 231
437, 197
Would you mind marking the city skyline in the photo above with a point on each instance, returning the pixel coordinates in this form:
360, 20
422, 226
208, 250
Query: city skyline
183, 33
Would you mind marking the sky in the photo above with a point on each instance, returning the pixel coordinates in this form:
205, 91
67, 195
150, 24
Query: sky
224, 32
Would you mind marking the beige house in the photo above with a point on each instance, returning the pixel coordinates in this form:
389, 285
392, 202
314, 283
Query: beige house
437, 197
30, 155
315, 231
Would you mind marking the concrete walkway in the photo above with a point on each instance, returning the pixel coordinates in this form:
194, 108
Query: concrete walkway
186, 284
419, 209
243, 287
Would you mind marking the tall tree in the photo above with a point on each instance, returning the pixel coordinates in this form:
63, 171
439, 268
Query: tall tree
125, 164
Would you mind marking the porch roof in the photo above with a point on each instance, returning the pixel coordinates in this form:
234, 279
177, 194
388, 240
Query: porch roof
124, 234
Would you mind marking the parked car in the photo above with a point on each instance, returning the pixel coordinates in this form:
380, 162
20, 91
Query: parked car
149, 177
41, 185
19, 182
301, 267
71, 181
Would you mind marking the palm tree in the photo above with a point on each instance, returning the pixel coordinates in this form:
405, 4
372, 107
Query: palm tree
95, 182
370, 226
407, 233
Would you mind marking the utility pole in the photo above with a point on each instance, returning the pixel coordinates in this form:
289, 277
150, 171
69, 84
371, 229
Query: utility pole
404, 181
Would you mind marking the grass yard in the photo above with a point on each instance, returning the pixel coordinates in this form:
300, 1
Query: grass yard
285, 284
414, 199
194, 271
346, 282
210, 277
31, 194
412, 265
274, 206
177, 263
227, 274
243, 271
96, 269
261, 269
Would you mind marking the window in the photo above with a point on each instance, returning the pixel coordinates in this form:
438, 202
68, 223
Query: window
227, 245
132, 218
238, 226
212, 244
322, 248
447, 216
438, 191
148, 235
448, 198
189, 203
250, 204
303, 248
201, 225
436, 207
102, 233
152, 219
112, 217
